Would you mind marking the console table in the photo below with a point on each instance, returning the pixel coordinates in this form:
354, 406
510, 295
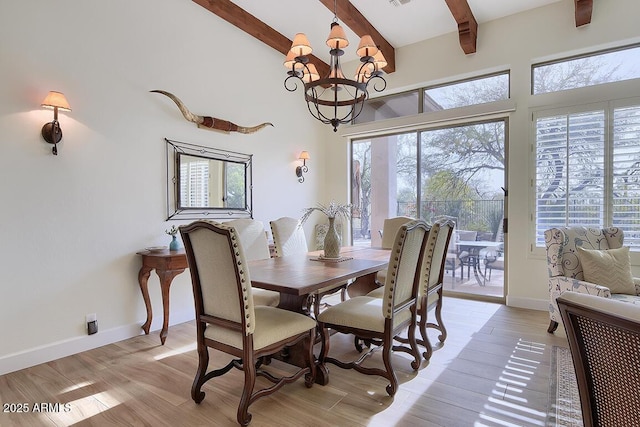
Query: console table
168, 264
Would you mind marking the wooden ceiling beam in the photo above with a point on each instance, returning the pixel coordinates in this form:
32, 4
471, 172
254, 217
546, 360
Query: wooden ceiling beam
251, 25
467, 25
584, 9
352, 18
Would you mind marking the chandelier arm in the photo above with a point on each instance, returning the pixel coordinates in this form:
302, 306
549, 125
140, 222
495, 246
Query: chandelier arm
378, 79
287, 84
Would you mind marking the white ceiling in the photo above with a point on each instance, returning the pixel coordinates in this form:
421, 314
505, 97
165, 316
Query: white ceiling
401, 25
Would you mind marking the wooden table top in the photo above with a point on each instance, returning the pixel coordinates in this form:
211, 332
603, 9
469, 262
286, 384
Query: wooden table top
300, 275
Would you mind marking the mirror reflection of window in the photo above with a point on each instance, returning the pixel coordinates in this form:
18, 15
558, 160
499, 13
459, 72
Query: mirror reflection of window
211, 183
194, 182
235, 185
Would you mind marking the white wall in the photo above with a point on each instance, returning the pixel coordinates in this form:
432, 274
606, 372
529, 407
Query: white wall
514, 43
71, 224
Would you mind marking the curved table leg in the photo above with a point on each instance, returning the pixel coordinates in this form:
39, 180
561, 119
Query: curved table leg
166, 276
363, 285
143, 278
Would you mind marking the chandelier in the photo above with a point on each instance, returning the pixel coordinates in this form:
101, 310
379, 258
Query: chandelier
335, 99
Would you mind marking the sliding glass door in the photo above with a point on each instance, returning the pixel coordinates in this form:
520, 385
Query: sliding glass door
455, 171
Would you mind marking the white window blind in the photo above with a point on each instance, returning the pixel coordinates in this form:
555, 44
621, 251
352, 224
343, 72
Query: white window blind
588, 170
196, 186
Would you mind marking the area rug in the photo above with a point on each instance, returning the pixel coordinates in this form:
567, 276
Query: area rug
564, 402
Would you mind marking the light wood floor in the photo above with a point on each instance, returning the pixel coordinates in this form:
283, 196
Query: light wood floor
492, 371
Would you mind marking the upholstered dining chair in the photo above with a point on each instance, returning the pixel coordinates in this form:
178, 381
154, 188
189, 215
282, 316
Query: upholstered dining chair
254, 241
289, 239
288, 236
227, 319
431, 284
604, 340
452, 261
381, 319
566, 272
390, 227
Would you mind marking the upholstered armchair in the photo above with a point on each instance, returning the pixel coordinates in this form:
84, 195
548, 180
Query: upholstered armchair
566, 272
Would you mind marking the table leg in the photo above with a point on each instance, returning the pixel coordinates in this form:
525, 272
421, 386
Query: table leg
143, 278
166, 276
363, 285
295, 354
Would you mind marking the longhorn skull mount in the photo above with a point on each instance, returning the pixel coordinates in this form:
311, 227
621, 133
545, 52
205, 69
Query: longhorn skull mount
208, 122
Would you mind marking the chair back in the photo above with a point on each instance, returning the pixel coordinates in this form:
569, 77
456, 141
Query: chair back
435, 256
390, 228
561, 243
219, 276
451, 249
253, 238
604, 339
403, 274
288, 236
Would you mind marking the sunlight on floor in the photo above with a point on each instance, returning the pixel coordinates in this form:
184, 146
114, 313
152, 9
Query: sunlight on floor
398, 410
175, 352
520, 370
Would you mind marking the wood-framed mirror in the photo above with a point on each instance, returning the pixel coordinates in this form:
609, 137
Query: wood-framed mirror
204, 182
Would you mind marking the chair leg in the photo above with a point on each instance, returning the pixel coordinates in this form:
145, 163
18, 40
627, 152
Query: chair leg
553, 325
422, 324
249, 368
203, 362
391, 375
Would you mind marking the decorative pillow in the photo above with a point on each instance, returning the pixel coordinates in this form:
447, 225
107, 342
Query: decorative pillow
610, 268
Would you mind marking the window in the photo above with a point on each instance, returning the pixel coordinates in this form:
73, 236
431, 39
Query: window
468, 92
478, 90
587, 70
588, 169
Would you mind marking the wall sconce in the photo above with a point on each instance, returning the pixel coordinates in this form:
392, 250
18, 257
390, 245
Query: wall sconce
51, 131
304, 156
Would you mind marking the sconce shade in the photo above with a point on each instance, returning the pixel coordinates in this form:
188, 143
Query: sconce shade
56, 99
301, 45
304, 155
367, 47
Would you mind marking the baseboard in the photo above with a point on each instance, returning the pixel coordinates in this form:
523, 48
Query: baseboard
46, 353
530, 303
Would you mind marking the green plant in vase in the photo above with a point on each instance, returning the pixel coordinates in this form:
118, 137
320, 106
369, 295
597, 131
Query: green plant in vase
173, 232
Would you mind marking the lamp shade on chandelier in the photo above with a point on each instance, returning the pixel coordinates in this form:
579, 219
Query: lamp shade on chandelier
335, 99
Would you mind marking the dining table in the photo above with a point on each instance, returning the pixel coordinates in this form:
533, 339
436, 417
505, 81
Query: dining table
295, 277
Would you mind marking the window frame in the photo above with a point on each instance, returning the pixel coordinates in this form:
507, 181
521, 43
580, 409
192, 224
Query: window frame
608, 106
570, 58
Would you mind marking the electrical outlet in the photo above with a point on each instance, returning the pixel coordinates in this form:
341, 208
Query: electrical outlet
92, 323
